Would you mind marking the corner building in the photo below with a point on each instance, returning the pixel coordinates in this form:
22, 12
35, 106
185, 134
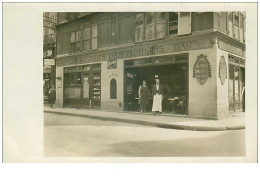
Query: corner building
199, 57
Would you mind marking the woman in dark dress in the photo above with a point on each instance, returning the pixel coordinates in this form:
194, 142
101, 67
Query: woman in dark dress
143, 93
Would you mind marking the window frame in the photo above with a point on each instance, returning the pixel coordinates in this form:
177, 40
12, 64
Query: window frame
176, 33
72, 43
155, 23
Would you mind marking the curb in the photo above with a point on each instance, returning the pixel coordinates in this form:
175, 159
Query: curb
154, 124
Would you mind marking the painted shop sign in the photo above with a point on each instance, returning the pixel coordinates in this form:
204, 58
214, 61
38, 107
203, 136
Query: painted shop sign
112, 64
131, 52
222, 70
49, 62
231, 48
202, 69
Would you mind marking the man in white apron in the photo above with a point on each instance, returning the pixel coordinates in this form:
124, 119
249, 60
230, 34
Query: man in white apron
157, 92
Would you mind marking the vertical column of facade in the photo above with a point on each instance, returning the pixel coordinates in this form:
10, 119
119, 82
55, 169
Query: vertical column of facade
222, 83
202, 82
112, 97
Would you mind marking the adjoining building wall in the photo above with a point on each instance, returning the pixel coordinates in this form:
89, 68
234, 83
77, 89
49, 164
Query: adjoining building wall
106, 76
203, 97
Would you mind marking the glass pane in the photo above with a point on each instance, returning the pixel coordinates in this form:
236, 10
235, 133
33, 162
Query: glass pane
236, 20
78, 78
231, 80
66, 79
94, 31
78, 36
236, 87
149, 32
139, 19
125, 29
150, 18
139, 33
72, 78
72, 37
72, 47
159, 16
173, 23
87, 45
160, 30
241, 21
94, 44
242, 83
86, 33
78, 45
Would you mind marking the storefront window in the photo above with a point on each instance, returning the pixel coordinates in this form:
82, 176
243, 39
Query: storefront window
78, 78
236, 86
66, 79
72, 78
231, 81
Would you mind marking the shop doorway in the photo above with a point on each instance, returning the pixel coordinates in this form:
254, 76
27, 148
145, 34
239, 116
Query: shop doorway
174, 79
236, 88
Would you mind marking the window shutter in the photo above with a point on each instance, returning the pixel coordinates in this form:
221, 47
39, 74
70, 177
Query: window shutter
184, 25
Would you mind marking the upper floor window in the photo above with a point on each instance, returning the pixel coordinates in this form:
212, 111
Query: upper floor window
94, 37
90, 41
150, 26
75, 41
139, 27
72, 42
173, 23
236, 20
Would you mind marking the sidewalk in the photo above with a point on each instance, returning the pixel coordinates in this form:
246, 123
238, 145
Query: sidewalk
181, 122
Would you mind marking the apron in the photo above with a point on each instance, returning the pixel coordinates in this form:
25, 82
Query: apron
157, 103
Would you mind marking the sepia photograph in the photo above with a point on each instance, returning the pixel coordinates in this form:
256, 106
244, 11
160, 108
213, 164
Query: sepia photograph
144, 84
130, 82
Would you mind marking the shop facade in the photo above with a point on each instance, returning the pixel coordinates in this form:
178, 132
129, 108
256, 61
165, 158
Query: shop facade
203, 74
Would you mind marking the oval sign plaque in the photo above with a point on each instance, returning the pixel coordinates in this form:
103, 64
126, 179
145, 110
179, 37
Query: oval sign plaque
201, 69
222, 70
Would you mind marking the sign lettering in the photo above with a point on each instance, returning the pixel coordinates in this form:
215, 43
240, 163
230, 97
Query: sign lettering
132, 52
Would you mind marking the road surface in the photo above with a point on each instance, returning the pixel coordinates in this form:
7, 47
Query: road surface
70, 136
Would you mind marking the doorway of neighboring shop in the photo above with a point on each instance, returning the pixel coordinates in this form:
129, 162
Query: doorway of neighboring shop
173, 77
236, 88
82, 86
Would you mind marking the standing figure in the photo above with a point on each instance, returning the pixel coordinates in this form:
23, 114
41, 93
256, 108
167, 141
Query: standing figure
157, 96
52, 96
143, 93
